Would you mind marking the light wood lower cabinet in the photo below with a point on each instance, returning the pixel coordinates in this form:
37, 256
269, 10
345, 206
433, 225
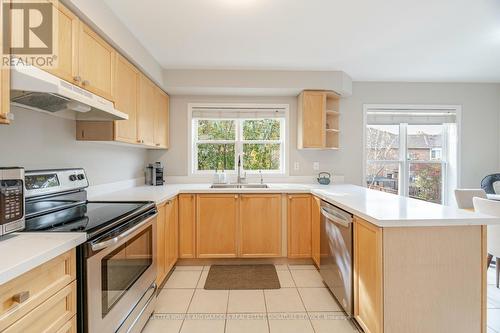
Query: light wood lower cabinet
161, 244
299, 226
216, 225
41, 300
260, 225
172, 235
166, 239
368, 305
187, 226
419, 279
316, 229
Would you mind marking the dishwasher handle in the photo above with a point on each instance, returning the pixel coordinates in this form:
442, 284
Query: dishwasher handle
335, 217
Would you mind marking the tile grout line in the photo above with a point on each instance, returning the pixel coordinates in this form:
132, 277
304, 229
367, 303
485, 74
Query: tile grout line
267, 313
227, 308
190, 301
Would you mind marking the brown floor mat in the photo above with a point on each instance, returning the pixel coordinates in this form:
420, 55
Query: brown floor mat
244, 277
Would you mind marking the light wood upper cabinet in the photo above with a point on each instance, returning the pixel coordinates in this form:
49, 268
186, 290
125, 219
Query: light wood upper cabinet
216, 225
67, 47
318, 120
299, 226
96, 63
187, 226
260, 225
4, 83
316, 229
126, 99
161, 119
368, 270
148, 98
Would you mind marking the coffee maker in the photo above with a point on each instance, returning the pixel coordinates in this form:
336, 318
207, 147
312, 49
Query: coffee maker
154, 174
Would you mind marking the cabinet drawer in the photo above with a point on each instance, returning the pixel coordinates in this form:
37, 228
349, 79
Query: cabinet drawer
35, 286
51, 315
69, 327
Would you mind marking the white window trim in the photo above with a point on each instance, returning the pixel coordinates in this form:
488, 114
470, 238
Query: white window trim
415, 107
285, 132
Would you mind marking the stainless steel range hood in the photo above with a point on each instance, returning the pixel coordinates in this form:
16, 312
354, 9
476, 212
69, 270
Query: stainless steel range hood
35, 89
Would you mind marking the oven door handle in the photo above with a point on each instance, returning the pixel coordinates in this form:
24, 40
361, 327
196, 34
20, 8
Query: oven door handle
336, 218
117, 239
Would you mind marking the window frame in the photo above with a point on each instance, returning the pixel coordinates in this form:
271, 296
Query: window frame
239, 142
403, 161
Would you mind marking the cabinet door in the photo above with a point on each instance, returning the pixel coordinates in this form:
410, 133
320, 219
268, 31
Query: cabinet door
162, 120
172, 234
368, 300
216, 226
147, 111
66, 66
316, 229
299, 226
96, 63
260, 225
312, 119
126, 99
187, 229
4, 83
161, 259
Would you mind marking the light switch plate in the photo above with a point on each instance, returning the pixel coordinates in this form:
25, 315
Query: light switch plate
316, 166
296, 166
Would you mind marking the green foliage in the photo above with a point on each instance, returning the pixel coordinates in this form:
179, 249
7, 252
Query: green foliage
216, 156
261, 129
221, 156
216, 130
261, 156
427, 184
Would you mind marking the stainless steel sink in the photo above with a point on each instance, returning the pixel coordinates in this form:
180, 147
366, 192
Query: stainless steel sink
239, 186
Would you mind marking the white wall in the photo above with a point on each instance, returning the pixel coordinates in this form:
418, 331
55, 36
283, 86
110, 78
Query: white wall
37, 140
480, 135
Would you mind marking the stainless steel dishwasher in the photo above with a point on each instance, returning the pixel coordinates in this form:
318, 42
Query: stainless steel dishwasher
336, 261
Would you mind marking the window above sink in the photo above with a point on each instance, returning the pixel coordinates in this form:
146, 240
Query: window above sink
220, 133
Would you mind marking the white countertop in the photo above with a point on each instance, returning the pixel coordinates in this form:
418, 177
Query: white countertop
21, 252
379, 208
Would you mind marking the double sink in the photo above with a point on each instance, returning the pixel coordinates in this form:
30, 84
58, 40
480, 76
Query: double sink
239, 186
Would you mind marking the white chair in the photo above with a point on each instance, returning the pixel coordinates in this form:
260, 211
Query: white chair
491, 207
464, 197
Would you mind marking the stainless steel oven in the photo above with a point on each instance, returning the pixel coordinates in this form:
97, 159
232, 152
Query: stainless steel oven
336, 262
120, 272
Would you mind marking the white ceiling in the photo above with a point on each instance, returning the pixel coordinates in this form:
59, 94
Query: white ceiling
386, 40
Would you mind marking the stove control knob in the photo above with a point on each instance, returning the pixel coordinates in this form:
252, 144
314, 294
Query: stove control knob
72, 178
81, 176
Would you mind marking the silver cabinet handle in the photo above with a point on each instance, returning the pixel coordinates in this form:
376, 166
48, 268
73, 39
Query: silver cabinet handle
336, 218
85, 82
77, 78
117, 239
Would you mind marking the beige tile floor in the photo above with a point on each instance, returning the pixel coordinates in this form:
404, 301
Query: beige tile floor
302, 305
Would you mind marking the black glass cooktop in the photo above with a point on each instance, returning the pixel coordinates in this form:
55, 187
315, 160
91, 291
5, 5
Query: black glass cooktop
84, 217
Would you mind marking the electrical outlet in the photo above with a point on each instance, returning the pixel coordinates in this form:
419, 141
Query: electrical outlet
316, 166
296, 166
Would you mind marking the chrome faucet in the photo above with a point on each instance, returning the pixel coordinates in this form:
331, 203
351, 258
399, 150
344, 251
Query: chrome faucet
240, 179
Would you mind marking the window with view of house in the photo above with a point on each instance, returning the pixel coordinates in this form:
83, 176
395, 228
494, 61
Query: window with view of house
220, 134
412, 152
